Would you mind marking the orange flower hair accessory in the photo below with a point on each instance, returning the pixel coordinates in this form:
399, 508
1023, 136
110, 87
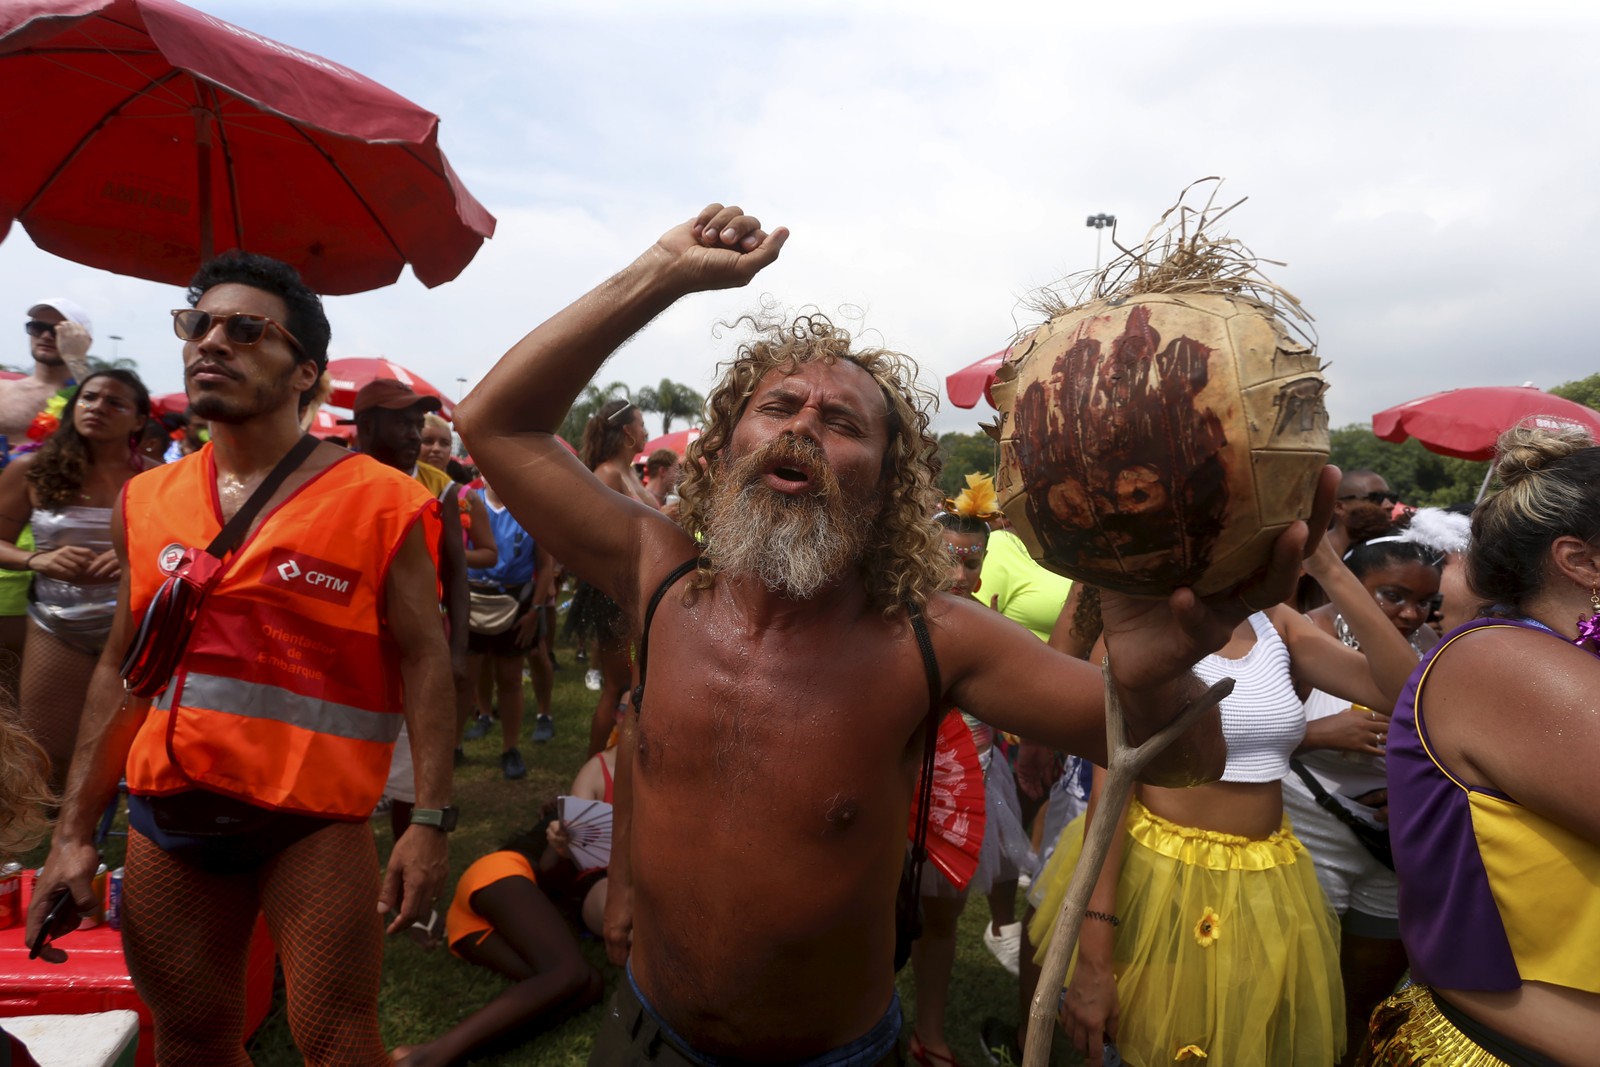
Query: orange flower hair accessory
977, 500
1208, 929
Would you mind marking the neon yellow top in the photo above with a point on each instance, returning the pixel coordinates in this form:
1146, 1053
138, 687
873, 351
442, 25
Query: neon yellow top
1024, 592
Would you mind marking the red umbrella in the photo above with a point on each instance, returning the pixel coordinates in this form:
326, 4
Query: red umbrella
678, 441
326, 424
150, 126
1466, 422
349, 375
170, 403
955, 832
968, 385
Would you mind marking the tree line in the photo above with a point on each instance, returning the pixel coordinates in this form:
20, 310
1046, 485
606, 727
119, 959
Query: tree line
673, 401
1421, 478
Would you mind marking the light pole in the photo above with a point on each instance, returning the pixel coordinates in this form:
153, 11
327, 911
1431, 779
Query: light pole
461, 388
116, 339
1099, 223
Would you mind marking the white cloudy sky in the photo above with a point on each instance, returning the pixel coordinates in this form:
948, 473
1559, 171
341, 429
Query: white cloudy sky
1430, 183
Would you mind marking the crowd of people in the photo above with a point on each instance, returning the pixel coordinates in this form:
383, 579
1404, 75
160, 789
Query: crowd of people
267, 640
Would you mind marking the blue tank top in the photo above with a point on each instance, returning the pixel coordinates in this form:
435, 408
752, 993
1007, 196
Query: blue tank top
515, 565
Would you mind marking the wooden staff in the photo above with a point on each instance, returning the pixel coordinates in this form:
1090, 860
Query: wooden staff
1122, 768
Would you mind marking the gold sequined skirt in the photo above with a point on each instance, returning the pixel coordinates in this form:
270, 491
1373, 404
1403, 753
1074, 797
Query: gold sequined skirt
1409, 1030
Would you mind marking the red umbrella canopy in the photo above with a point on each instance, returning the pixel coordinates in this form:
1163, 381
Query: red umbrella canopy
349, 375
154, 132
326, 424
1466, 423
970, 384
677, 440
955, 829
170, 403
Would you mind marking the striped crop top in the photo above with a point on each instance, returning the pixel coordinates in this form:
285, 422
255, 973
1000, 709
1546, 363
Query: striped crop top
1263, 720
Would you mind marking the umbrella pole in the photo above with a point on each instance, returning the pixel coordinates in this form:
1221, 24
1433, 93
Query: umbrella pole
1484, 488
1122, 768
202, 156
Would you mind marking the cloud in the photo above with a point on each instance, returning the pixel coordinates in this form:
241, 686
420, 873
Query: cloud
1426, 184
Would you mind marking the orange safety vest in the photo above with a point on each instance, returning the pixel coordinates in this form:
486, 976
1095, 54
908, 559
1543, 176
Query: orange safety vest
289, 694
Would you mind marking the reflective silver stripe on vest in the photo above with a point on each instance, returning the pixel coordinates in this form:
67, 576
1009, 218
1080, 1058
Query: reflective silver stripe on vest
231, 696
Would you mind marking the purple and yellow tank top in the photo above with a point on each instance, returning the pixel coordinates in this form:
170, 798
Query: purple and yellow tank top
1491, 894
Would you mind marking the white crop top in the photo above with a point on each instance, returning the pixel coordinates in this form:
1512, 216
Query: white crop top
1262, 720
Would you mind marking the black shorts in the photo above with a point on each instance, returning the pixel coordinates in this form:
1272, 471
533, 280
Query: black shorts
503, 643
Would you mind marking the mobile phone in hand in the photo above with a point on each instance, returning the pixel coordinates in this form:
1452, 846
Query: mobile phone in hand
61, 904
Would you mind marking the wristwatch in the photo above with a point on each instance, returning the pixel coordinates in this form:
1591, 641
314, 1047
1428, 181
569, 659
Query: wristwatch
439, 818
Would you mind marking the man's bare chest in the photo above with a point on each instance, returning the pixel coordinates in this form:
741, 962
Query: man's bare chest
799, 713
20, 401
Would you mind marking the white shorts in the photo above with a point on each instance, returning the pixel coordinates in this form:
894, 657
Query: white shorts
1362, 891
402, 779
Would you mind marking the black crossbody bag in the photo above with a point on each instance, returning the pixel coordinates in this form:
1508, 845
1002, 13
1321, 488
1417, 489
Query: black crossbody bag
908, 898
163, 633
1372, 839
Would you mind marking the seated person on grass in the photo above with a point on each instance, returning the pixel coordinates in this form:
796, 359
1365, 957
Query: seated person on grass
504, 918
501, 919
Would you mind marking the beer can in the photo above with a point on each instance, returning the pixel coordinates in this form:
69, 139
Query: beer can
114, 900
97, 914
10, 895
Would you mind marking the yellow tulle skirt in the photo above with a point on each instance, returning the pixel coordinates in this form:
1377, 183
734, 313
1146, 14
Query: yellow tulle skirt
1226, 944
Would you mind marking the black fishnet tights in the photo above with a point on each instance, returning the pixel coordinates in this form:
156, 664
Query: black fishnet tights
55, 678
186, 932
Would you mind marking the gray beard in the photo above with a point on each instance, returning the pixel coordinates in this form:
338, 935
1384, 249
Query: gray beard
793, 545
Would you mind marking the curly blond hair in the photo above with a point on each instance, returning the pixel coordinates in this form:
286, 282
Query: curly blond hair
904, 561
24, 791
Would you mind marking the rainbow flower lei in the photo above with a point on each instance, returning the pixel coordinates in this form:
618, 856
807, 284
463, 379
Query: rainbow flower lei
48, 421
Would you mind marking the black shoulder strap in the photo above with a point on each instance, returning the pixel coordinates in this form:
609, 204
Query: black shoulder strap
1320, 795
649, 613
930, 666
234, 531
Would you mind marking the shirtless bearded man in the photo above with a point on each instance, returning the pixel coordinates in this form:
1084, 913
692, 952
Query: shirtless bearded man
764, 788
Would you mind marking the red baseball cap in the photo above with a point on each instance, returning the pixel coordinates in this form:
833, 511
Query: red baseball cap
391, 395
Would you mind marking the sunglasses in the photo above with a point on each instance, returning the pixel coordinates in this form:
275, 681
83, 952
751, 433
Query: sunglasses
1379, 497
36, 328
192, 324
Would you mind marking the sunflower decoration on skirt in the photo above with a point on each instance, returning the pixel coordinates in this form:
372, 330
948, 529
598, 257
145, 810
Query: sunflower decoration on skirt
1208, 929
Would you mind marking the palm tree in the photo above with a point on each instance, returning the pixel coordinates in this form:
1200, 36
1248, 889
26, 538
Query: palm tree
589, 401
672, 400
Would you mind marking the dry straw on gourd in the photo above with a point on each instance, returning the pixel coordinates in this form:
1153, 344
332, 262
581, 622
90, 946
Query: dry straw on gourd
1182, 254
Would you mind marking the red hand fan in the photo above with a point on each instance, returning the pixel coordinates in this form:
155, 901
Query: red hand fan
955, 827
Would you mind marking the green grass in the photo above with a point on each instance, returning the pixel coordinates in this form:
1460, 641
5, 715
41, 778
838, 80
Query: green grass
427, 992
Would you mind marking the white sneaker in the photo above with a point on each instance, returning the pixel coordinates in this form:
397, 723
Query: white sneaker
591, 679
1005, 945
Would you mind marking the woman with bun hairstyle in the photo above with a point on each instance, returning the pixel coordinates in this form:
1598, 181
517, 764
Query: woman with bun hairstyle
1494, 797
1336, 778
67, 490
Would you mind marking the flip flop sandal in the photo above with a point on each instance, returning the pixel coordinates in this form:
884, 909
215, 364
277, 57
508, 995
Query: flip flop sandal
923, 1056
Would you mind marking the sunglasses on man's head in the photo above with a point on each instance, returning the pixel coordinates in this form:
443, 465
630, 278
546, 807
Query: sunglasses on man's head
1381, 496
36, 328
192, 324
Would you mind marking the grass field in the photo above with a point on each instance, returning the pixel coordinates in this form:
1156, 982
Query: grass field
427, 992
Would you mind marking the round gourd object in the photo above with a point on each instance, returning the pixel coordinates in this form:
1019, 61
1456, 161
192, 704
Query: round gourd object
1159, 441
